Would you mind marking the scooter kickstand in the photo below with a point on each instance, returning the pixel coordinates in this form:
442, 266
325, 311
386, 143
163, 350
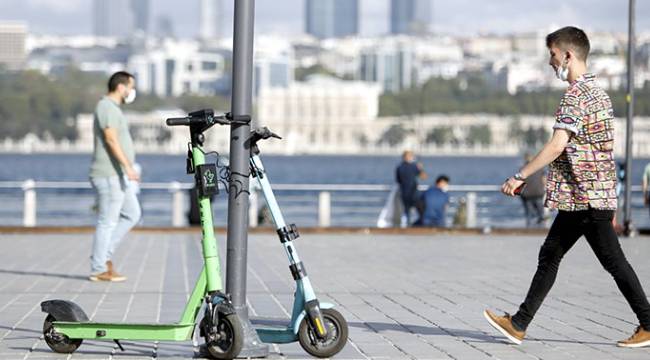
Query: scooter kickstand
118, 344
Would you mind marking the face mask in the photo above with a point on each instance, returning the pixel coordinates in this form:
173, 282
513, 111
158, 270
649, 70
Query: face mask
130, 97
562, 72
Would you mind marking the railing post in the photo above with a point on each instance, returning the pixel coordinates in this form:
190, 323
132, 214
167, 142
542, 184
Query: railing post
253, 212
324, 209
471, 209
178, 199
29, 204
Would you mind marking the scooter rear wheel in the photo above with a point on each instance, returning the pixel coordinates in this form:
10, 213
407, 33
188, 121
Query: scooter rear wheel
58, 342
337, 335
231, 338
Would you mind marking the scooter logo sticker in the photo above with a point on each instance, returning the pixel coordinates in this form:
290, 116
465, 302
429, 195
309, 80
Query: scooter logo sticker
209, 178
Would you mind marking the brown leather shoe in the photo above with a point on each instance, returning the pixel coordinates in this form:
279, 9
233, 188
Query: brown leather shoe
504, 325
106, 276
641, 338
111, 270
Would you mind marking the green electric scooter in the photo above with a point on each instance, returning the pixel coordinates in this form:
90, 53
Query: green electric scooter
67, 325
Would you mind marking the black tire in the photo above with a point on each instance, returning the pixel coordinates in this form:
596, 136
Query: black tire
58, 342
337, 335
229, 346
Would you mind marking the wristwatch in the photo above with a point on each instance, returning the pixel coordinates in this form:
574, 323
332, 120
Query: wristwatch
519, 177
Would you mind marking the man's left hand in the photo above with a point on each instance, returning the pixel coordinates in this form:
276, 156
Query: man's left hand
510, 185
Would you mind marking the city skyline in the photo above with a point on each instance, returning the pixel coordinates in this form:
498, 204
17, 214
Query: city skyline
332, 18
287, 17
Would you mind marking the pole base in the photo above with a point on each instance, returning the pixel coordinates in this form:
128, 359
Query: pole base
253, 346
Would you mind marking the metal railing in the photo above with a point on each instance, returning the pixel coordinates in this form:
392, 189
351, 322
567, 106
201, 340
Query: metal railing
179, 195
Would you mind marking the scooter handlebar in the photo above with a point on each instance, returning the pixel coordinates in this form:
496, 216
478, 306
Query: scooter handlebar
184, 121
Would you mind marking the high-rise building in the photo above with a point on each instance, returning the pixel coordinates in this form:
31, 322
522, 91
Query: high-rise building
113, 18
12, 45
332, 18
392, 68
141, 15
211, 18
410, 16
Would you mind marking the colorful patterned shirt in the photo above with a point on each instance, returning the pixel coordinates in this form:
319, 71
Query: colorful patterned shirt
584, 175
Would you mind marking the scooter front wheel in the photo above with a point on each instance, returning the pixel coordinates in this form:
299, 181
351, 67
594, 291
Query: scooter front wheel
337, 335
229, 339
58, 342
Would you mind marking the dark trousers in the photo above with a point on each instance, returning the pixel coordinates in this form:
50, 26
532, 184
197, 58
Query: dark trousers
411, 201
596, 226
533, 208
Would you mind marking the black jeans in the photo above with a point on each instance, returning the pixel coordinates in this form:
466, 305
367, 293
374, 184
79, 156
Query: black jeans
596, 226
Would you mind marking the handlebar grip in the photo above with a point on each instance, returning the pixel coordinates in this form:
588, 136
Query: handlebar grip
184, 121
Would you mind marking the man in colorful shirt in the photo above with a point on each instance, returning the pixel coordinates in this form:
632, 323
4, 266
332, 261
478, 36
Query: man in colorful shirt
581, 184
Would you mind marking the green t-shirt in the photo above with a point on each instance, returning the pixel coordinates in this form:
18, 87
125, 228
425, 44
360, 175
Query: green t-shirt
108, 114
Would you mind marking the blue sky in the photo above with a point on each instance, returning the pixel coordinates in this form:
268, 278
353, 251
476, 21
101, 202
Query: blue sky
460, 17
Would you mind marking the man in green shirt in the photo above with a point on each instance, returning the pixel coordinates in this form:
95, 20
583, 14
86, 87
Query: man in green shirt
113, 177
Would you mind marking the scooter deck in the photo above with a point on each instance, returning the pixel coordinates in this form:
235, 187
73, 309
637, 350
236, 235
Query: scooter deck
125, 331
274, 330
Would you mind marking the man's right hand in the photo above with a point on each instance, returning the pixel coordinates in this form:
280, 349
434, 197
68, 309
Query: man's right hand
131, 174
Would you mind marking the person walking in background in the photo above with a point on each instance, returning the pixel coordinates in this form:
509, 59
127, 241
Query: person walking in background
646, 185
582, 185
435, 201
113, 176
407, 174
533, 195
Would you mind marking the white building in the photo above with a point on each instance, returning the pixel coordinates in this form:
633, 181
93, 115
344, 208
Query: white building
611, 70
178, 67
488, 47
321, 115
12, 44
394, 62
273, 63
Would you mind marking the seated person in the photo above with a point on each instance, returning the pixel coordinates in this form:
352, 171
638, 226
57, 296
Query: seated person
435, 201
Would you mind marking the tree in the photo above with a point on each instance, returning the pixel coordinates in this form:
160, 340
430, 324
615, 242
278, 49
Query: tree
471, 94
394, 135
34, 103
479, 134
302, 73
440, 136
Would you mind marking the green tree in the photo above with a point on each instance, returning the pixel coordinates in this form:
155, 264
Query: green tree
440, 136
394, 135
302, 73
479, 134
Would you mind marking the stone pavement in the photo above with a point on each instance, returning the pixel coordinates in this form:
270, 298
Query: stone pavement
404, 296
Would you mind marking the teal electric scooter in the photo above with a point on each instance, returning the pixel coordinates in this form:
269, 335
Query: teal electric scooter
67, 325
321, 330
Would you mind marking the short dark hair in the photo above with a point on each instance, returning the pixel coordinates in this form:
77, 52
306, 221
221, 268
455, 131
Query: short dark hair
441, 178
120, 77
570, 37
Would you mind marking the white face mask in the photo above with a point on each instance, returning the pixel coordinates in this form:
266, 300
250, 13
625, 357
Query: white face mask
562, 72
130, 97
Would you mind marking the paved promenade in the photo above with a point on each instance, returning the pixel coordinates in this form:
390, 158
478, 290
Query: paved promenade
404, 296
